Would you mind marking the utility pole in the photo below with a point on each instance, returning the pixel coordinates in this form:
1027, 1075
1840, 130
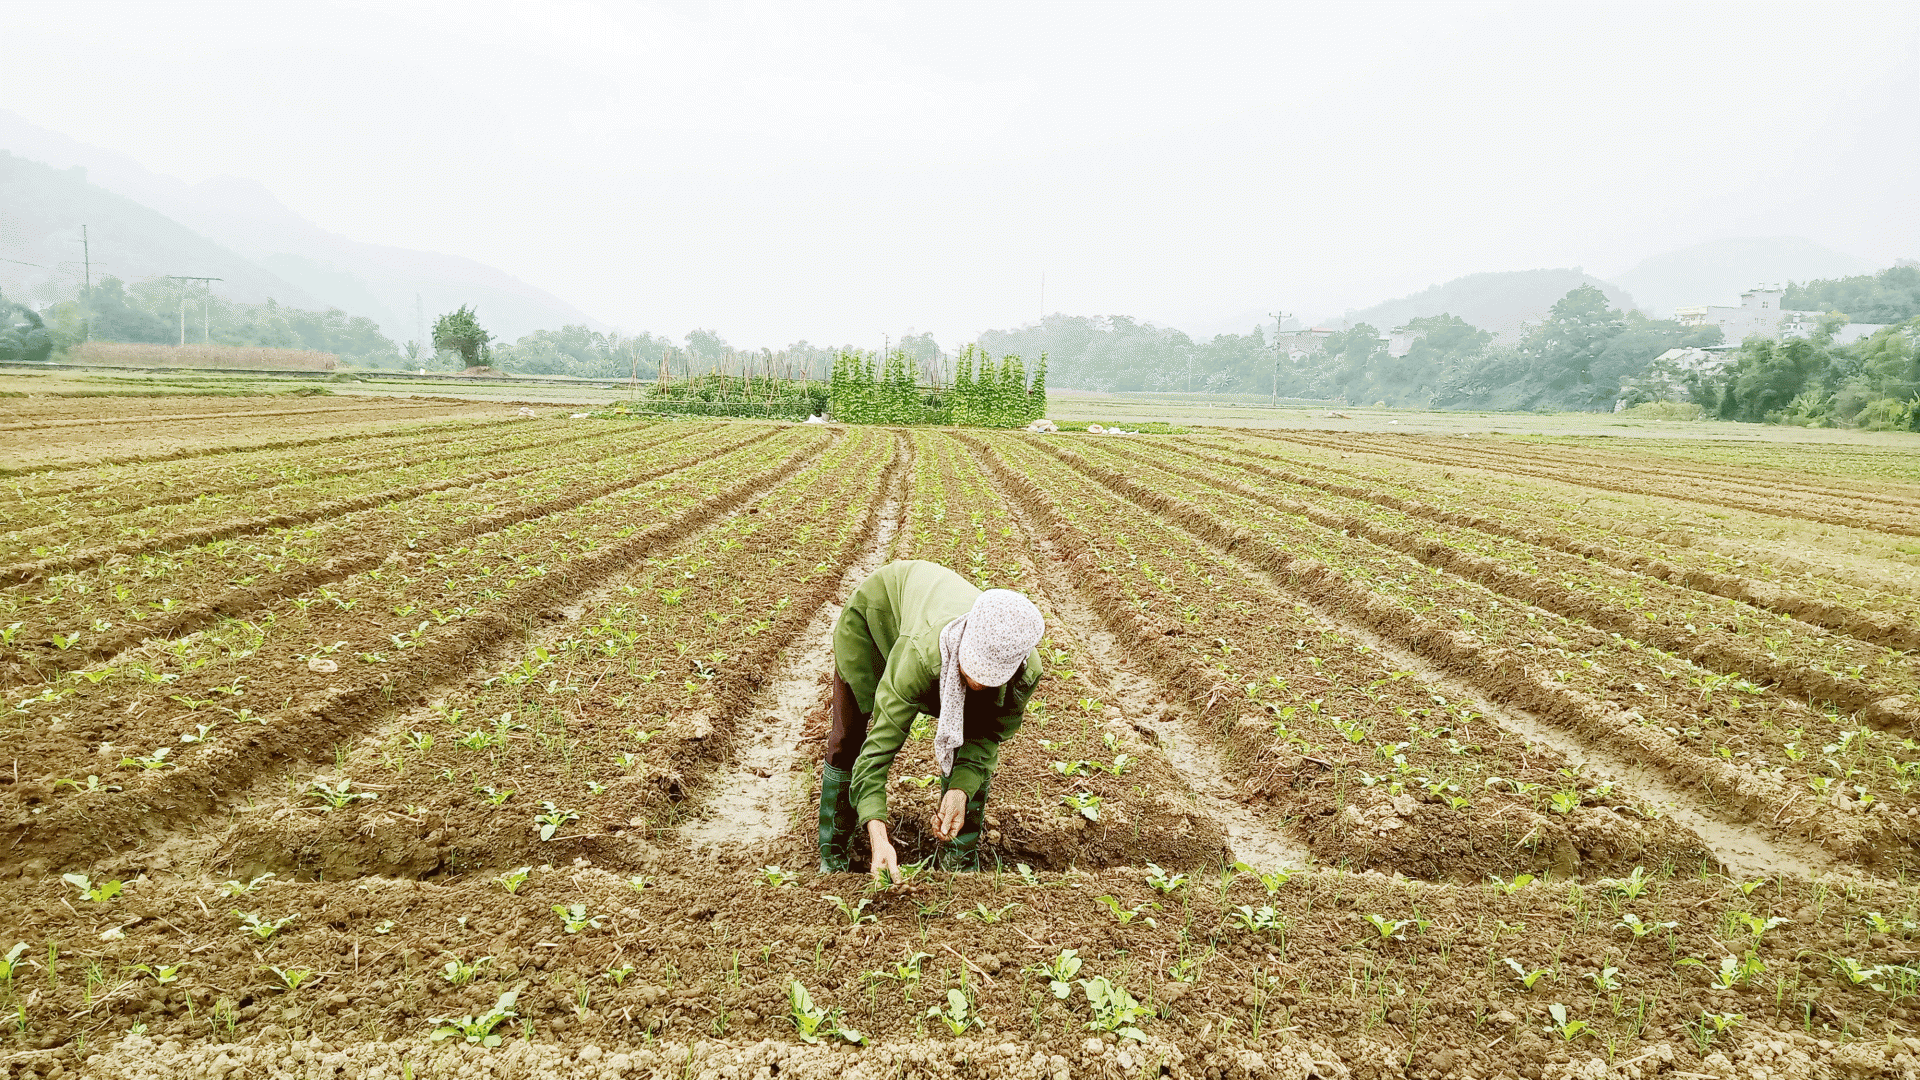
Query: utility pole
1279, 319
86, 260
205, 318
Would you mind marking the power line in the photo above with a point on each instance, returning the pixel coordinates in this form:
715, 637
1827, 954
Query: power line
206, 323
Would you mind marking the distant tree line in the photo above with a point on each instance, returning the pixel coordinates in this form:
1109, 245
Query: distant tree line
23, 334
148, 311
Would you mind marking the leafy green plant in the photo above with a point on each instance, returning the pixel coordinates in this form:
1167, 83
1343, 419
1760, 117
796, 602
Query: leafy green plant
1114, 1009
1060, 972
235, 888
337, 797
160, 973
1520, 881
982, 913
1711, 1026
478, 1030
1164, 882
460, 972
775, 876
155, 760
575, 918
1086, 804
813, 1022
1607, 978
513, 879
1263, 920
618, 975
1125, 916
856, 913
1632, 887
1527, 978
1640, 928
551, 818
1387, 929
99, 894
1567, 1029
260, 929
291, 978
958, 1015
11, 963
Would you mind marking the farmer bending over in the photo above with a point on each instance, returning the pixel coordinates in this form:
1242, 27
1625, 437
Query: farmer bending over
918, 638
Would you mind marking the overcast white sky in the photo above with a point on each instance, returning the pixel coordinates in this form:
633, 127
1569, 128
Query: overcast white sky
833, 172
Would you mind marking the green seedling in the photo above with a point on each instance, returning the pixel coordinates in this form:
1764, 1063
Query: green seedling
236, 888
1753, 925
1114, 1009
1086, 804
291, 978
1060, 972
1607, 978
92, 783
907, 971
260, 929
459, 972
1520, 881
337, 797
1568, 1030
985, 914
160, 973
99, 894
1164, 882
551, 818
418, 741
618, 975
1852, 971
1632, 887
776, 877
1027, 877
1271, 880
1746, 887
155, 760
639, 882
513, 879
1641, 929
1124, 916
1263, 920
12, 963
855, 913
497, 796
1527, 978
575, 918
1711, 1026
1388, 929
478, 1030
958, 1015
813, 1022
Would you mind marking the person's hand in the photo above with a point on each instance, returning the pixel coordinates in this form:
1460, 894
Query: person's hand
951, 815
886, 862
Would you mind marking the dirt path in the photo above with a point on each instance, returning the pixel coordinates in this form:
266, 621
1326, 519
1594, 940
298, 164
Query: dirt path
753, 803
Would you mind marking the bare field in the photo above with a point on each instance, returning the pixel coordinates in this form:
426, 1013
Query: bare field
427, 738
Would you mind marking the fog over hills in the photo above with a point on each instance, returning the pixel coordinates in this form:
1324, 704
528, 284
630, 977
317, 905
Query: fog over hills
1718, 271
1493, 301
288, 256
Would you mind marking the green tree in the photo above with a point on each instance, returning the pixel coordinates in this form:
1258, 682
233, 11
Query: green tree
1575, 336
23, 336
460, 333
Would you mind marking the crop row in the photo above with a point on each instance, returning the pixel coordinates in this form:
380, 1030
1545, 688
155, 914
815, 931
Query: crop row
589, 739
1895, 624
88, 494
1727, 636
69, 620
1849, 567
1762, 753
1368, 761
1831, 510
198, 715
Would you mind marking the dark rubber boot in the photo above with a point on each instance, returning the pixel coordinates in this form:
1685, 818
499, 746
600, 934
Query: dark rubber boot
837, 820
962, 853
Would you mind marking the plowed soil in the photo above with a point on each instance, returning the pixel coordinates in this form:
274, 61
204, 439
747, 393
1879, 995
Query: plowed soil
328, 731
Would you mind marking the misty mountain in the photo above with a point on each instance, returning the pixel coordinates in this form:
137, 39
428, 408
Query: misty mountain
1718, 271
1499, 301
41, 260
297, 257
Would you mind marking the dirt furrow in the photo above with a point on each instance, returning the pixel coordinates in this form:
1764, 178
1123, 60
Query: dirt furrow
246, 599
103, 421
1905, 525
1498, 674
86, 826
1099, 624
750, 806
80, 560
1878, 628
277, 444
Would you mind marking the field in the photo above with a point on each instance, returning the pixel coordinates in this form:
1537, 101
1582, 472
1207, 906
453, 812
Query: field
428, 738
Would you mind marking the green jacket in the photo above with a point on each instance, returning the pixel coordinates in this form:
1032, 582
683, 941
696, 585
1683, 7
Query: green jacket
886, 645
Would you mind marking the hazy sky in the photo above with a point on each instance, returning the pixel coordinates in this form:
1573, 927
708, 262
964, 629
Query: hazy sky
805, 170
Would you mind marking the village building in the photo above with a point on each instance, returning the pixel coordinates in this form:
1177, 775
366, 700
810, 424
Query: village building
1761, 313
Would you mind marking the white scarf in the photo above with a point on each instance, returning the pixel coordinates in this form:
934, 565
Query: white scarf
951, 731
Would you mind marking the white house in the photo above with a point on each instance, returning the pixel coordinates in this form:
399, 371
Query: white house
1761, 314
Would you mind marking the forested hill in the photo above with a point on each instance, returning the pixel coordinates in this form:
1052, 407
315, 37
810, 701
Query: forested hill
1494, 301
